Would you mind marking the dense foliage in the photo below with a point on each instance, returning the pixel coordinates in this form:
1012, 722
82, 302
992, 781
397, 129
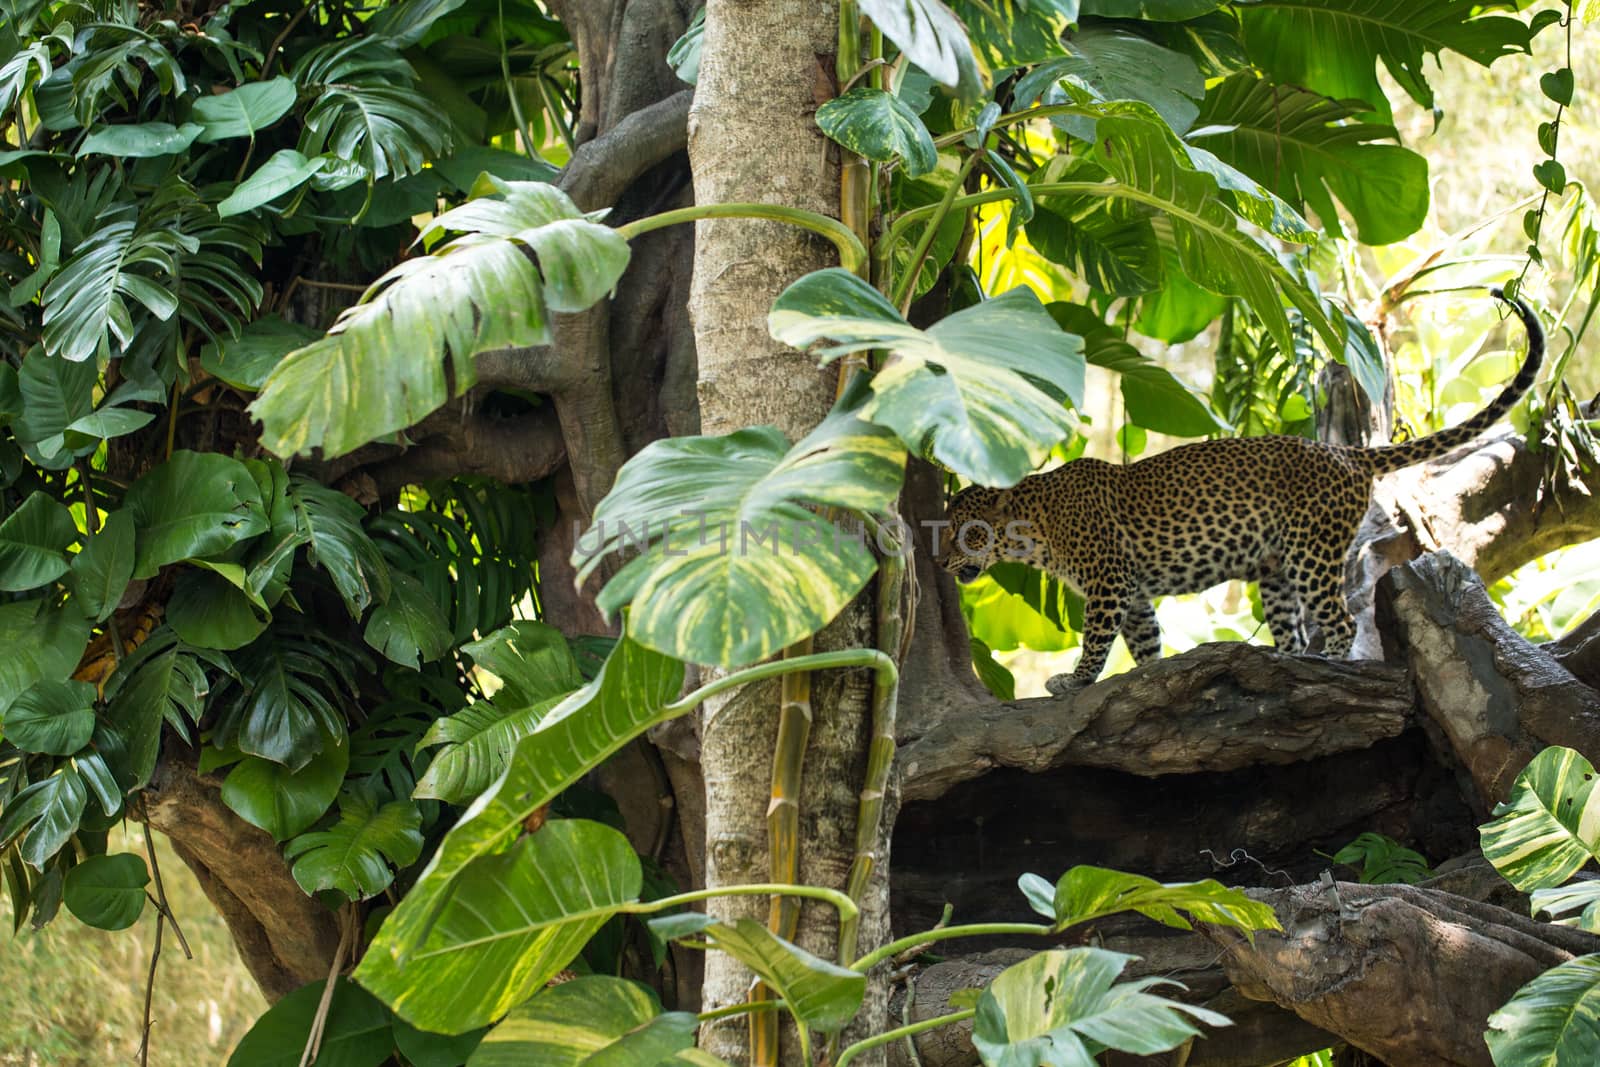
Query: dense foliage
183, 194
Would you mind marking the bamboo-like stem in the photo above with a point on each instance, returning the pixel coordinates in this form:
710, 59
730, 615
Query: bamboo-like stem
852, 252
891, 626
888, 1037
928, 937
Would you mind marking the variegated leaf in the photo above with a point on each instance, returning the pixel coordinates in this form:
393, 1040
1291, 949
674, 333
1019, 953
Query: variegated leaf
510, 924
629, 695
1581, 897
1552, 1021
929, 35
736, 566
395, 356
879, 126
587, 1022
981, 391
1551, 825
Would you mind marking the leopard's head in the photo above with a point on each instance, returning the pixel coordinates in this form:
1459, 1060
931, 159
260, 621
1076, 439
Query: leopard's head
975, 537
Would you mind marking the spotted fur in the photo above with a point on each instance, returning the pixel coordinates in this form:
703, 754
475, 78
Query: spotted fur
1280, 511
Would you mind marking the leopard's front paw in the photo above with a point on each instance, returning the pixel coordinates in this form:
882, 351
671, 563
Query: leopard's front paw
1062, 685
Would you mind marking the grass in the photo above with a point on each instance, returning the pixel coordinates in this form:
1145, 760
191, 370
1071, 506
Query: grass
75, 995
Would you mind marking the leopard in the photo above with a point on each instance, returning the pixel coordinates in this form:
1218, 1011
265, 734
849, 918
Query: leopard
1278, 510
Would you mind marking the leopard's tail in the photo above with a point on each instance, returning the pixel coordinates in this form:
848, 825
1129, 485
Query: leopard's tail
1388, 458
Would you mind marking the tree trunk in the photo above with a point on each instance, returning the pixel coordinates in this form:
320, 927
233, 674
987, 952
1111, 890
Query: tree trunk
764, 69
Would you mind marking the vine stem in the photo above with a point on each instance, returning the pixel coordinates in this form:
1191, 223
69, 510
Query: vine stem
907, 285
928, 937
852, 253
819, 661
890, 1036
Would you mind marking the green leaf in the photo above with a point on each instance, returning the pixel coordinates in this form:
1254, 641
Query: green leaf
109, 422
1552, 1021
819, 993
141, 141
408, 23
1155, 399
1306, 149
1332, 46
162, 681
1557, 85
477, 742
1016, 33
332, 525
50, 810
408, 627
1179, 310
1108, 243
466, 164
368, 109
101, 572
1552, 175
981, 391
1365, 360
55, 716
285, 171
55, 393
243, 112
357, 1032
1087, 893
1559, 900
875, 124
532, 659
423, 1048
41, 642
738, 568
107, 892
33, 543
284, 802
383, 366
509, 924
196, 504
1544, 833
591, 1021
1064, 1007
86, 303
628, 696
1203, 199
1150, 10
994, 676
355, 854
210, 611
1114, 64
684, 55
245, 361
929, 35
290, 698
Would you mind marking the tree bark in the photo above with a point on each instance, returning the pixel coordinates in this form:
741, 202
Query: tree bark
284, 937
765, 67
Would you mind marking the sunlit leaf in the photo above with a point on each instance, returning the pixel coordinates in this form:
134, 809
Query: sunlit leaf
587, 1022
875, 124
1550, 827
1552, 1021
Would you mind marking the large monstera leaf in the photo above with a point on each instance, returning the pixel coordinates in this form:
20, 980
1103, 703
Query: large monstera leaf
1303, 147
392, 358
982, 391
632, 692
512, 921
737, 566
1333, 46
1551, 825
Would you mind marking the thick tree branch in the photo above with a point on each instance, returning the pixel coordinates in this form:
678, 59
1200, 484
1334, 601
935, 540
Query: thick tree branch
1496, 698
1407, 974
1220, 707
284, 937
